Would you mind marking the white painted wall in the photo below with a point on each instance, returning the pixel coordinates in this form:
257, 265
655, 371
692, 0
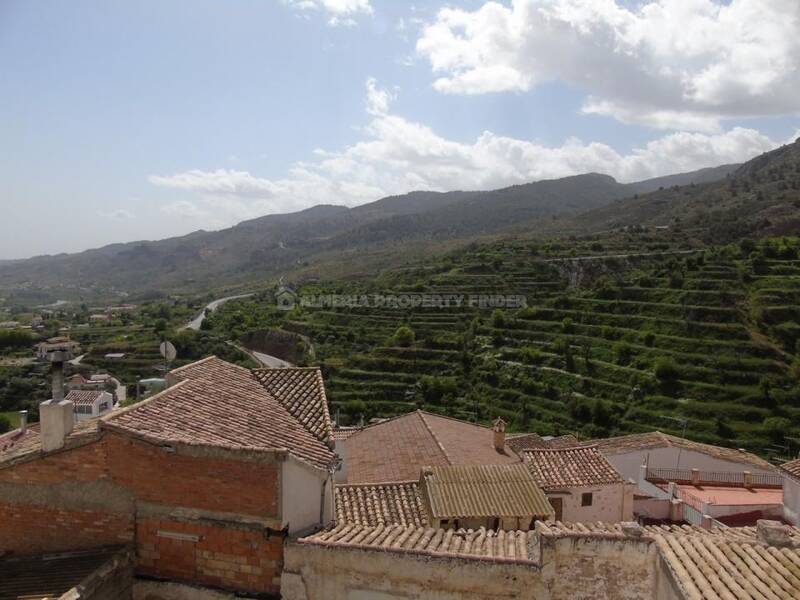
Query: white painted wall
301, 487
791, 499
667, 458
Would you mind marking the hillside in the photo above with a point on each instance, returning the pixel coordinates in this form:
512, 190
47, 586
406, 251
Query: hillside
758, 198
276, 244
621, 333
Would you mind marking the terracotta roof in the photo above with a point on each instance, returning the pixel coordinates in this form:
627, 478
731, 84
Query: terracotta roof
717, 567
482, 544
29, 446
483, 491
529, 441
342, 433
380, 504
525, 441
217, 403
396, 449
563, 441
792, 467
83, 397
656, 439
302, 392
570, 467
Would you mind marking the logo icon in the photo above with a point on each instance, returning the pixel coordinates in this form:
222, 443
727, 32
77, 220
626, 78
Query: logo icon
285, 298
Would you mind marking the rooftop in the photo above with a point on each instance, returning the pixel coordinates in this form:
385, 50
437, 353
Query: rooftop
792, 467
528, 441
302, 392
500, 546
52, 575
657, 439
396, 449
570, 467
732, 496
380, 504
83, 397
220, 404
483, 491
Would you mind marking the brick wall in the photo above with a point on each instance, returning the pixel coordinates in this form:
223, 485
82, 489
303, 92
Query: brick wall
85, 463
226, 555
214, 484
27, 528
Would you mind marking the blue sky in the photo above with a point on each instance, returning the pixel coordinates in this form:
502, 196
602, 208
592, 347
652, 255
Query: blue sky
142, 120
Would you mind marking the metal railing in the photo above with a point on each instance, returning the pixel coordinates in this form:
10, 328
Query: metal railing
715, 477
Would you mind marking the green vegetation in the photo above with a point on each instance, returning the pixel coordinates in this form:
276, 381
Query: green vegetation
700, 334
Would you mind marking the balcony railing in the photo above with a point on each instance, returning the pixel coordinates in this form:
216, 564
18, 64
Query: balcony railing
714, 477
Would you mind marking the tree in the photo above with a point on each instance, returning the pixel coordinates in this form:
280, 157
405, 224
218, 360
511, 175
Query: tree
666, 369
404, 336
776, 428
498, 318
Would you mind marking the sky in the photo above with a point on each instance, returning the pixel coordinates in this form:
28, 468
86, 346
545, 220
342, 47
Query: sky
123, 121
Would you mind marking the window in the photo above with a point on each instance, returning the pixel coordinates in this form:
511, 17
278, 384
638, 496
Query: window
586, 499
103, 406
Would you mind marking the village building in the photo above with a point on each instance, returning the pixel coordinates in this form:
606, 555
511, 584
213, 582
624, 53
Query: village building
700, 498
88, 404
204, 481
581, 484
396, 449
660, 450
488, 496
552, 562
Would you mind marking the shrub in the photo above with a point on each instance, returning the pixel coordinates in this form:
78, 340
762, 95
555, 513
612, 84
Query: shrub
666, 369
498, 318
403, 337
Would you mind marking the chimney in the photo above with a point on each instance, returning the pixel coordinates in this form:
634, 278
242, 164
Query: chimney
23, 421
773, 533
499, 429
747, 477
56, 417
695, 476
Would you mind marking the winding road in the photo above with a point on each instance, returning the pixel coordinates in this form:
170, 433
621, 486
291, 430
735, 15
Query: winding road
266, 360
211, 307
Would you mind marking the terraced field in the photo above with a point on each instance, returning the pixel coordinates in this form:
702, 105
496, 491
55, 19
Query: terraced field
645, 340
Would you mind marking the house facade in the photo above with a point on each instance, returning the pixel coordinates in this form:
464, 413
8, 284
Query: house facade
205, 480
90, 403
582, 486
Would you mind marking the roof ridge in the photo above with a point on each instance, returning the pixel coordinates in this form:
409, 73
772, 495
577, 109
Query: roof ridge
292, 368
354, 485
435, 439
195, 363
565, 448
456, 419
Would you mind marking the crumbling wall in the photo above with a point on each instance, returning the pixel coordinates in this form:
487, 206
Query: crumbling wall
320, 573
64, 501
599, 567
588, 567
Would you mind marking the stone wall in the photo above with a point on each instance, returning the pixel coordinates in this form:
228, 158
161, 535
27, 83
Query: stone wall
565, 568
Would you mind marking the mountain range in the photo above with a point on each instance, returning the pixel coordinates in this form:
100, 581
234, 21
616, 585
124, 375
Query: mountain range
396, 228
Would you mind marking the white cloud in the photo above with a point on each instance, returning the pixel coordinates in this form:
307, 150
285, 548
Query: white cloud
339, 12
398, 155
679, 64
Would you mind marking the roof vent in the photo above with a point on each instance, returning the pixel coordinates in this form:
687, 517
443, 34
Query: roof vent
23, 421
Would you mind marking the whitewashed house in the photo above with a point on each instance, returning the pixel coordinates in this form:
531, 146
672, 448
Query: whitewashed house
90, 403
